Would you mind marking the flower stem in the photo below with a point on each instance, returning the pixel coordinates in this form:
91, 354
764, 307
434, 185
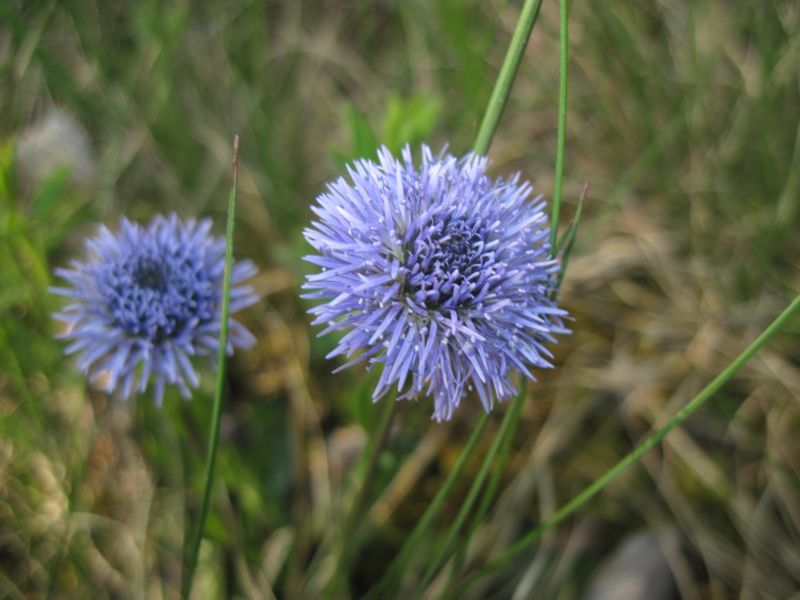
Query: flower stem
503, 438
498, 469
502, 87
562, 117
213, 432
348, 534
397, 566
601, 483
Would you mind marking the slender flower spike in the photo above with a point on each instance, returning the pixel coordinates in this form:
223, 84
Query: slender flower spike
437, 272
146, 300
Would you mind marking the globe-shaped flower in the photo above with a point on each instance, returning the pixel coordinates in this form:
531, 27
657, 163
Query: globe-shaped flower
148, 298
437, 272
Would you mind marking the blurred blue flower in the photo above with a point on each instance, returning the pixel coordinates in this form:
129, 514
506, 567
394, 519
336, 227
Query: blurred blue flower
438, 273
148, 298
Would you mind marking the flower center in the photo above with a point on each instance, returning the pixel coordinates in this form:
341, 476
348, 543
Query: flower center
449, 263
157, 293
149, 273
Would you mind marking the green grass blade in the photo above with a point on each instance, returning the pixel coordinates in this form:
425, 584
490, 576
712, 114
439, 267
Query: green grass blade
562, 119
508, 71
652, 440
568, 240
213, 432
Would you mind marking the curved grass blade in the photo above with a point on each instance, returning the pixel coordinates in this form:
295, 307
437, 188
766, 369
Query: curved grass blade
568, 240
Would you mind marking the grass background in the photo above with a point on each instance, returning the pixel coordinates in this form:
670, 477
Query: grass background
684, 119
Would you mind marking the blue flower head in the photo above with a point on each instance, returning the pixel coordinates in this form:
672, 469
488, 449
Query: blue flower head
146, 300
438, 273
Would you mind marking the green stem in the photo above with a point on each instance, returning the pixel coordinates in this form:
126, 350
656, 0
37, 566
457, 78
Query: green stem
498, 466
486, 501
503, 437
397, 566
348, 538
502, 88
562, 118
213, 432
684, 413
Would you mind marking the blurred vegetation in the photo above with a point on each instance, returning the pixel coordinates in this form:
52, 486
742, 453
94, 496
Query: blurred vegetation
684, 120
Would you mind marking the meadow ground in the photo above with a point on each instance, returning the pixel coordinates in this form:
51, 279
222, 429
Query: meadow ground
684, 119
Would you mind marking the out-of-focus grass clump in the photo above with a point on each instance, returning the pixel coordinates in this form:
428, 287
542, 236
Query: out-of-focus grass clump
685, 121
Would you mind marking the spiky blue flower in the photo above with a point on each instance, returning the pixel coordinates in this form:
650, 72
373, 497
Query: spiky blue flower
148, 298
438, 273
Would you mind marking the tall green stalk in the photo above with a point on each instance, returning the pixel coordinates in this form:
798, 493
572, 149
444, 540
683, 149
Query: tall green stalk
653, 439
502, 88
213, 432
562, 117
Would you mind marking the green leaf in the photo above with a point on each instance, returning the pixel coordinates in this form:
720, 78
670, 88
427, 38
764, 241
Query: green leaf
409, 120
363, 139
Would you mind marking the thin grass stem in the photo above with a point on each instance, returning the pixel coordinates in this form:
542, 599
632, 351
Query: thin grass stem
505, 79
213, 432
652, 440
562, 118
